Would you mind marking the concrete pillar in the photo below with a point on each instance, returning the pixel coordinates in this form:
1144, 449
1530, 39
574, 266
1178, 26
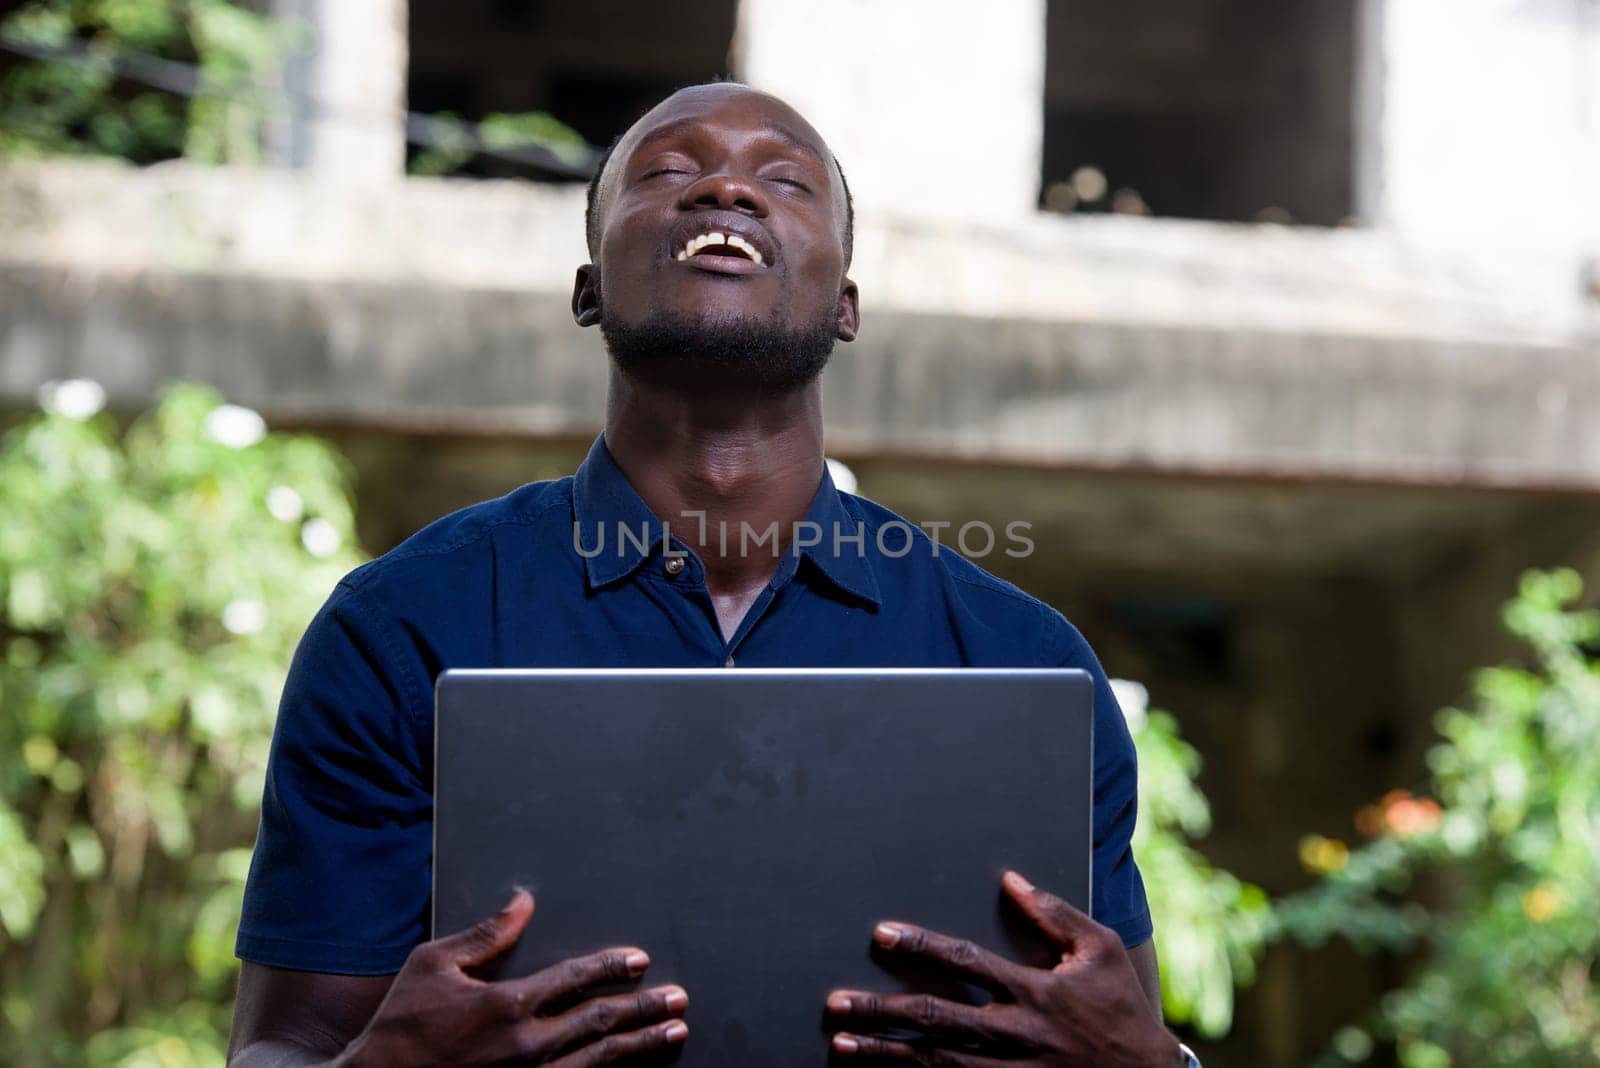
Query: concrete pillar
346, 89
1490, 116
935, 108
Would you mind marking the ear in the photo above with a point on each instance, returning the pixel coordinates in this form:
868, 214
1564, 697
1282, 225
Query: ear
849, 311
586, 295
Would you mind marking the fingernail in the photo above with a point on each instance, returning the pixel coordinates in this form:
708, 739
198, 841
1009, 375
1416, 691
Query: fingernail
676, 1030
886, 934
515, 897
838, 1003
676, 999
1018, 882
637, 962
845, 1044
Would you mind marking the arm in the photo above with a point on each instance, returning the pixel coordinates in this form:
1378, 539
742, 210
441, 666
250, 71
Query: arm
1148, 969
283, 1018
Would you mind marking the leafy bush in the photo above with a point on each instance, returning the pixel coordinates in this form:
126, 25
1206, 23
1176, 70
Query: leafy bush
78, 101
1209, 926
1508, 837
152, 587
80, 106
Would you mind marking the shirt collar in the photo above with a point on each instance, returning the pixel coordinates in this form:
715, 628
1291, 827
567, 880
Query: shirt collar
842, 553
611, 519
604, 500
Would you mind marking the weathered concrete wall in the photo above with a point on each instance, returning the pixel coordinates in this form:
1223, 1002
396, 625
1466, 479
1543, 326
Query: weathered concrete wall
524, 237
1098, 343
1092, 394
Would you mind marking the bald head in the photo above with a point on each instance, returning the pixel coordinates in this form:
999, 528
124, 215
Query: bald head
682, 106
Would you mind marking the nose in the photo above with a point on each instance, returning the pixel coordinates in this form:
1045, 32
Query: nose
727, 190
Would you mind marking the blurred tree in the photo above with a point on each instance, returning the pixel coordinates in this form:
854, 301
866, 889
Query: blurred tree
78, 101
152, 588
454, 144
1210, 927
148, 80
1506, 942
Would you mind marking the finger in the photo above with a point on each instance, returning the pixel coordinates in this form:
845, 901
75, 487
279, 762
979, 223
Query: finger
577, 974
870, 1047
858, 1010
1066, 926
489, 937
614, 1048
967, 959
598, 1017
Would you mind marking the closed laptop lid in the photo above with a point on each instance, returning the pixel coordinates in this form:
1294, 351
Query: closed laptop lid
748, 827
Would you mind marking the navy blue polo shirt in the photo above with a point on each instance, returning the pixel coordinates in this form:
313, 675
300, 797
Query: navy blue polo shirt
341, 876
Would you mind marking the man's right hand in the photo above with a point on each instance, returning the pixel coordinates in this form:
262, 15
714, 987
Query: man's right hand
436, 1013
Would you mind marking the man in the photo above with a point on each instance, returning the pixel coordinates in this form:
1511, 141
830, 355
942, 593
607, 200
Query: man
720, 230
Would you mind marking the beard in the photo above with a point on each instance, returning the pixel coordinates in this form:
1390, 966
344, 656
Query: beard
731, 350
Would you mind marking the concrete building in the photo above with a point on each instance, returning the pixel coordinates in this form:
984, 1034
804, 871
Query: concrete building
1287, 426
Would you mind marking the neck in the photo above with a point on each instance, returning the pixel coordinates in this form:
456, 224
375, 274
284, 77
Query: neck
736, 455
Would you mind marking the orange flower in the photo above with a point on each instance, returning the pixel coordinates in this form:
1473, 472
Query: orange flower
1413, 816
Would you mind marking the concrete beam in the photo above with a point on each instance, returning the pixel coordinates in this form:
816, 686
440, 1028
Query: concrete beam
1111, 344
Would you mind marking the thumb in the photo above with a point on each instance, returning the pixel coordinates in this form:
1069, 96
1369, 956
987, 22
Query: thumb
1065, 926
490, 936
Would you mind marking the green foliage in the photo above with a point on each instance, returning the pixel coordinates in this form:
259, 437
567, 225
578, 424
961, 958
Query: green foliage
455, 145
81, 107
152, 587
1503, 926
1209, 926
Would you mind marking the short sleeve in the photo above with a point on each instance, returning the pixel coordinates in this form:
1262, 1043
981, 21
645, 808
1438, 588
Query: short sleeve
340, 878
1118, 898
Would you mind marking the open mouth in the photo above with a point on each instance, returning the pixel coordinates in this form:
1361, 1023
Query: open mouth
716, 245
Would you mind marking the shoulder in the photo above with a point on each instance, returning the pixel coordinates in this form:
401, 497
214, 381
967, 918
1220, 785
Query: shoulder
909, 558
459, 541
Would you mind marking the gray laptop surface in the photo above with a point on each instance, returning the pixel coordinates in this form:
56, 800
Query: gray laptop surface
748, 827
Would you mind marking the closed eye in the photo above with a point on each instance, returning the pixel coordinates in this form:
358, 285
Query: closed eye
792, 183
660, 171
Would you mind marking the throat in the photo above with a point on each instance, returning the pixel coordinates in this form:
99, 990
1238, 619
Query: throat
733, 604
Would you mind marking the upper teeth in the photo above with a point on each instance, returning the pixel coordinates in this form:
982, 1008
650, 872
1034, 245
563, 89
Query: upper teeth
695, 244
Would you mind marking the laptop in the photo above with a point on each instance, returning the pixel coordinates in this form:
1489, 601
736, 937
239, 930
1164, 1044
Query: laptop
749, 827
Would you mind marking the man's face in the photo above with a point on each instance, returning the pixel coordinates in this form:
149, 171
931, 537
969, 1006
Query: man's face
720, 236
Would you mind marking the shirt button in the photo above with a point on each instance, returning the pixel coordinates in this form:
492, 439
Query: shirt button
674, 564
729, 663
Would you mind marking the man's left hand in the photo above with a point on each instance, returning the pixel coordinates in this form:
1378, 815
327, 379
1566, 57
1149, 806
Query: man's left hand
1087, 1009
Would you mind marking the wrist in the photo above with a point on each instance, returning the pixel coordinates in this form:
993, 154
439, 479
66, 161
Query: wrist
1168, 1052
